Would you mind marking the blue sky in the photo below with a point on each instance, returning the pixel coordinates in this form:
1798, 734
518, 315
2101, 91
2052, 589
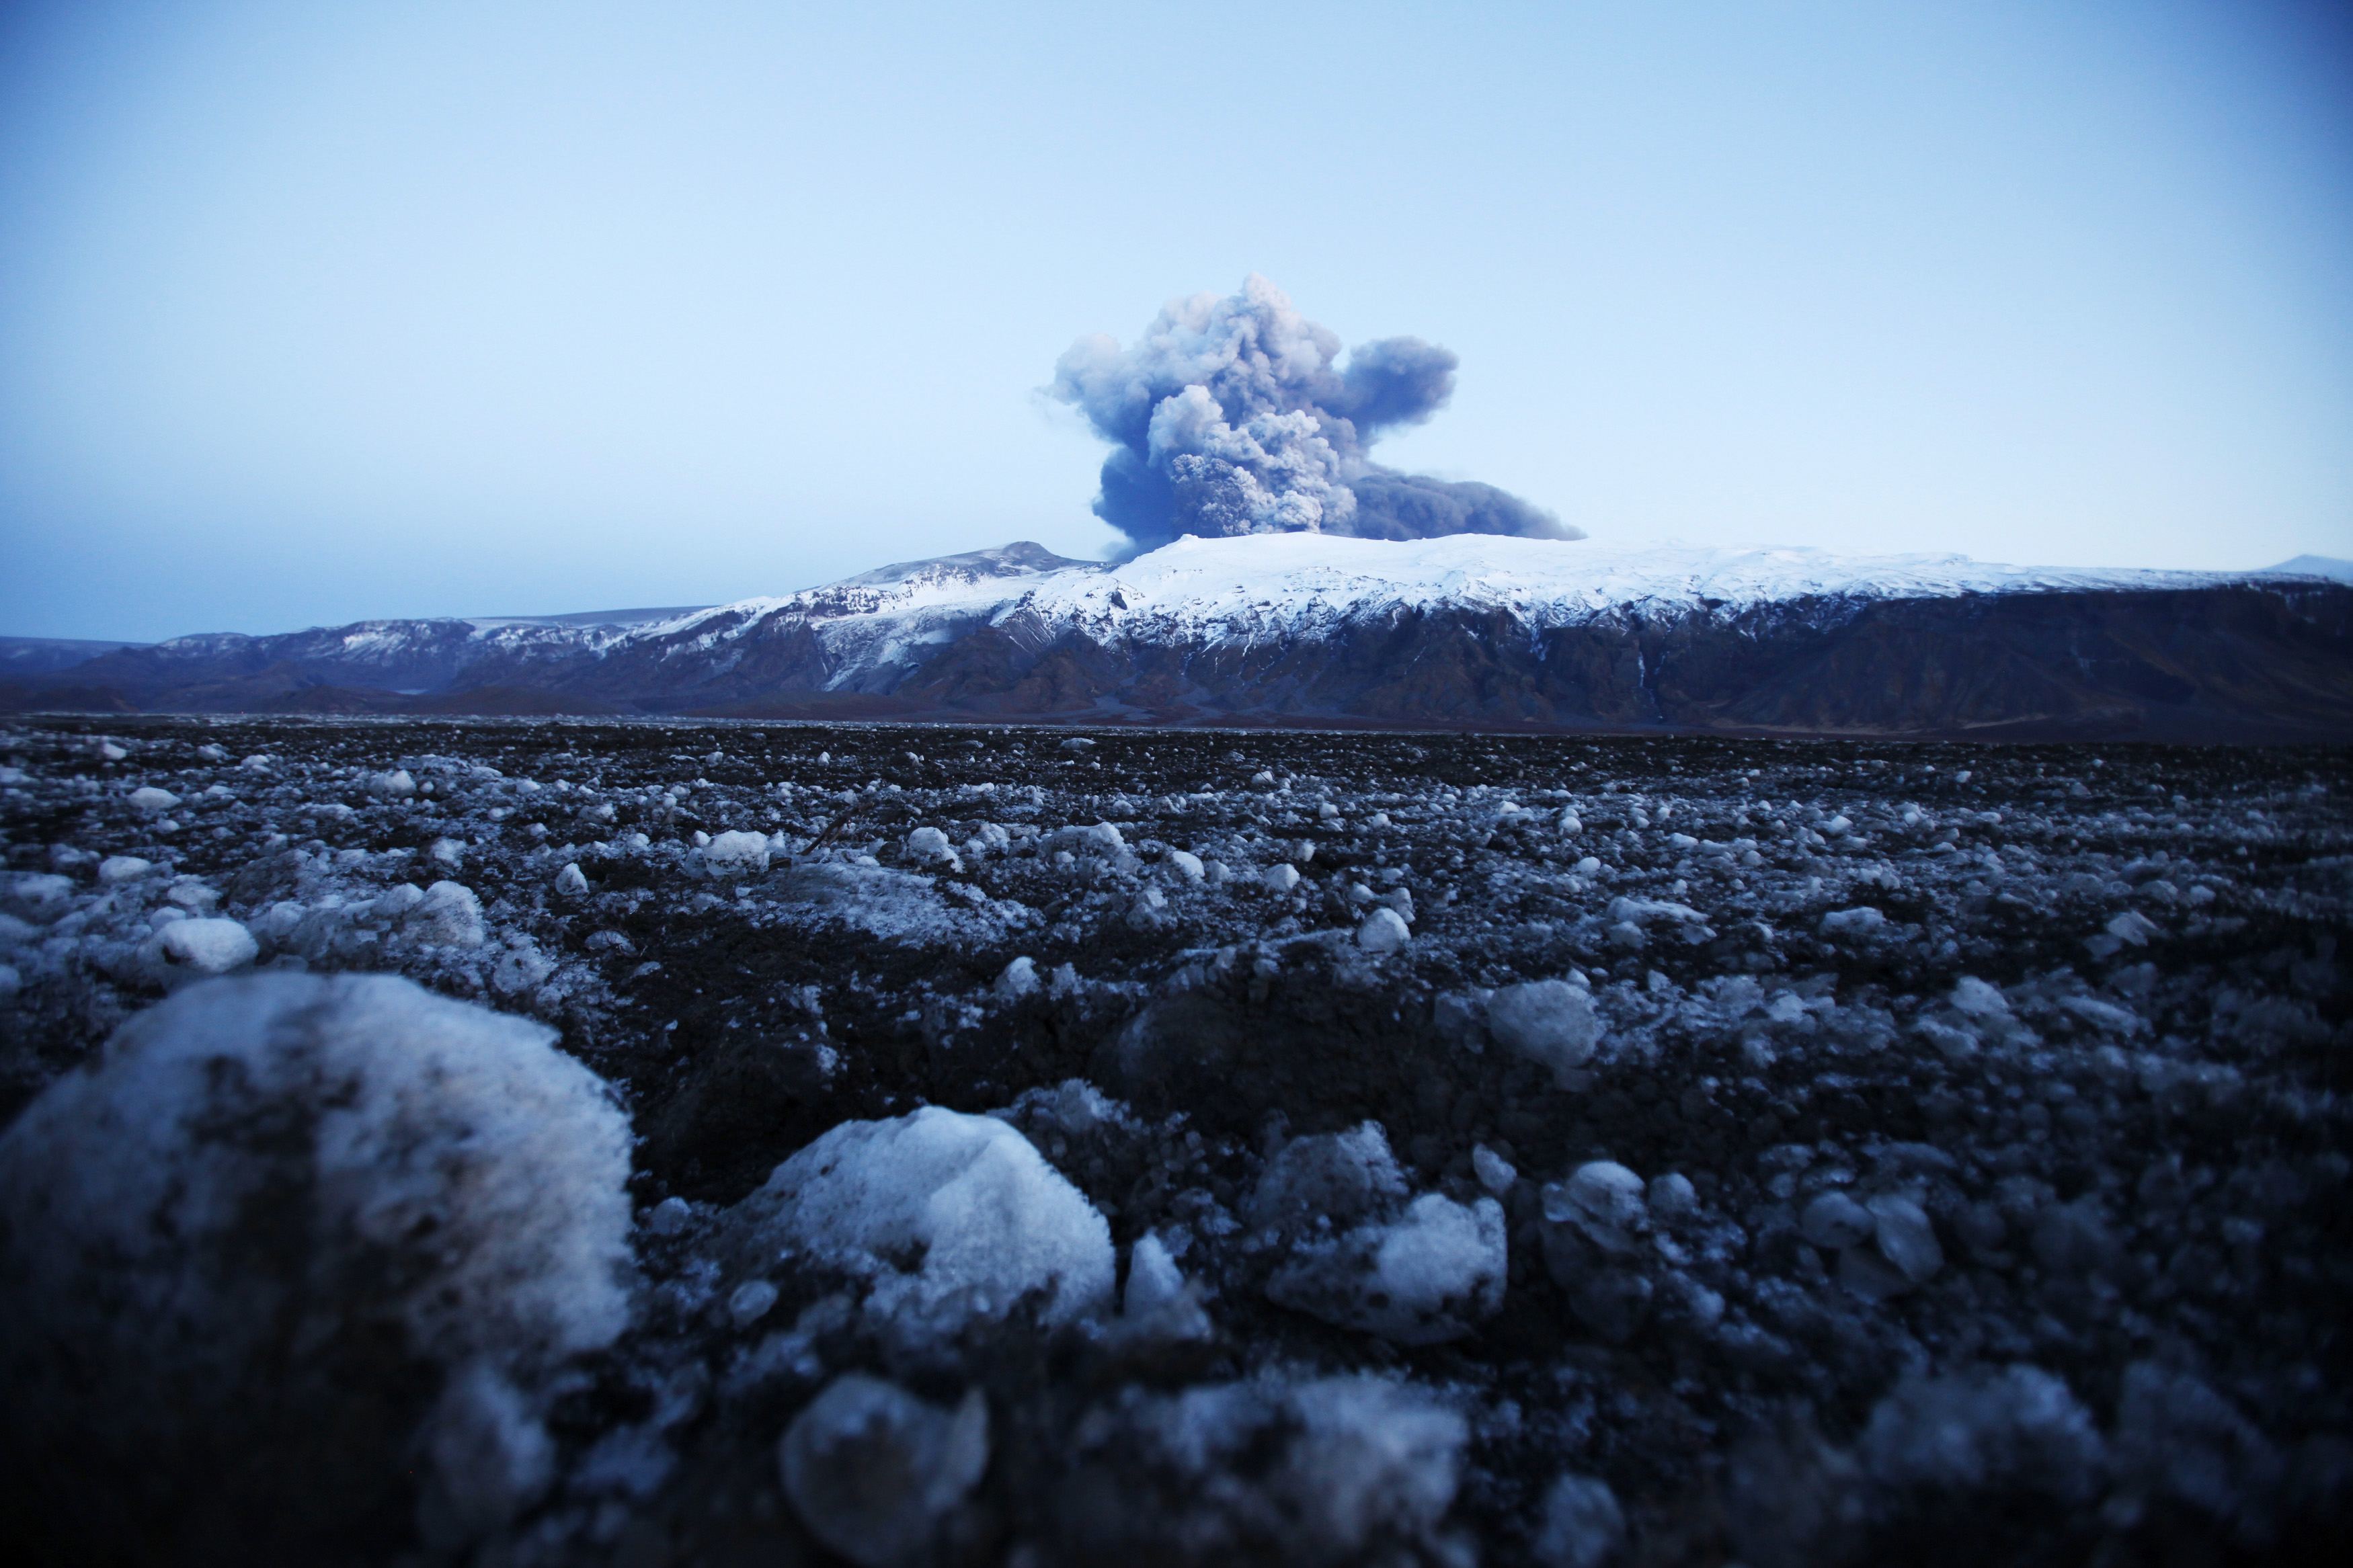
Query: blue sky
312, 312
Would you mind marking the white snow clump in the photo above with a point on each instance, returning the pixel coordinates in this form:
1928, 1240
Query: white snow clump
951, 1219
207, 946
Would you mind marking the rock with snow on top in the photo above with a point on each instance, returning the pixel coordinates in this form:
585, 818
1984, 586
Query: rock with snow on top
1977, 999
449, 915
1861, 921
1430, 1275
452, 1214
1383, 931
1834, 1220
1550, 1021
1019, 979
735, 852
950, 1220
929, 847
1605, 1202
207, 946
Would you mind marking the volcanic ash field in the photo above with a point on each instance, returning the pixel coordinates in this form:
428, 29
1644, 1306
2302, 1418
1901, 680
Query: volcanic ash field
524, 1143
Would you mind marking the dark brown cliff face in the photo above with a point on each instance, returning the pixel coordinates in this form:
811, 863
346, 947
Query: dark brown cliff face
2221, 664
2244, 662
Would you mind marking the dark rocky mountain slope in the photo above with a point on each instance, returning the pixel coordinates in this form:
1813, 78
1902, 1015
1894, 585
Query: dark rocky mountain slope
1445, 633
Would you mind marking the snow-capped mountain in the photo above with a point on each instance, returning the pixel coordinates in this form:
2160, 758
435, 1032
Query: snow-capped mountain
1462, 630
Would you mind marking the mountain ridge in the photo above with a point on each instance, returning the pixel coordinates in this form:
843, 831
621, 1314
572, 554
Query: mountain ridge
1451, 632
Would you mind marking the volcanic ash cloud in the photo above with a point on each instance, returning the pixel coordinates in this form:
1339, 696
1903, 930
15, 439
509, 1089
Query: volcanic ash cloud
1234, 415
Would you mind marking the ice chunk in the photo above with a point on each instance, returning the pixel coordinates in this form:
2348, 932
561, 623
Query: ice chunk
397, 785
488, 1453
929, 847
1019, 979
150, 799
1905, 1237
302, 1203
1603, 1200
38, 896
1281, 877
951, 1219
1339, 1177
750, 1301
874, 1472
2176, 1438
1672, 1197
207, 946
572, 882
116, 869
1834, 1220
1153, 1278
737, 851
2016, 1427
1187, 864
1384, 931
1858, 921
1424, 1278
1337, 1470
1494, 1173
1979, 999
1550, 1021
449, 915
1582, 1525
2104, 1016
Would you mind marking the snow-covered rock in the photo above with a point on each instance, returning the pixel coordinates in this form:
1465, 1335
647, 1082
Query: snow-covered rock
345, 1192
949, 1219
1426, 1277
737, 851
1550, 1021
1383, 931
207, 946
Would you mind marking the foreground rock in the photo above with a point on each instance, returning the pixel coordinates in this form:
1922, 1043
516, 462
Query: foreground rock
296, 1259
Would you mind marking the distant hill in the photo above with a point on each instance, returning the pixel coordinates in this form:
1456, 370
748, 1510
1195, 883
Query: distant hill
2328, 566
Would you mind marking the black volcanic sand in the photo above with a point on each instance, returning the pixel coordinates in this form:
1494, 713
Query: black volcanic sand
2129, 1142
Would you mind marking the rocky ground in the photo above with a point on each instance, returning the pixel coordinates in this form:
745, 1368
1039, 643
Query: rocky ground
1342, 1148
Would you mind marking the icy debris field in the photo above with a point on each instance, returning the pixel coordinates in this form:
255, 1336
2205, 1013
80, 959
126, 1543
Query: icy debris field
896, 1146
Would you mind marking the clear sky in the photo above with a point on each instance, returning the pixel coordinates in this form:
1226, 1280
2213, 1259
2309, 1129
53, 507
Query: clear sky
309, 312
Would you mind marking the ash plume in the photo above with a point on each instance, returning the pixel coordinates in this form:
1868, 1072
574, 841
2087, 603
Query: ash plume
1235, 416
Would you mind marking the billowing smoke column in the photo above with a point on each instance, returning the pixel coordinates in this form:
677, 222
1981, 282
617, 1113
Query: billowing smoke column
1231, 416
